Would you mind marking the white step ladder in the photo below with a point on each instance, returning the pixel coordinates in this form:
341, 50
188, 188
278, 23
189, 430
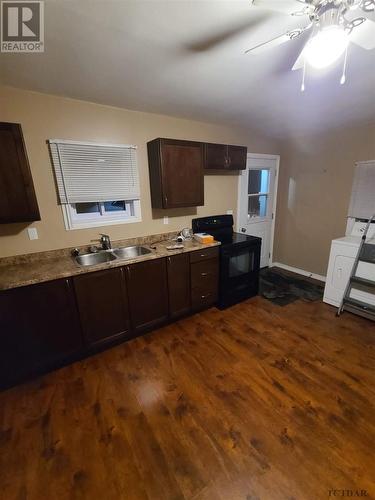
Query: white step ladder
366, 253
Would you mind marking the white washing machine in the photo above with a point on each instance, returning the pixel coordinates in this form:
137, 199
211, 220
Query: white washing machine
343, 253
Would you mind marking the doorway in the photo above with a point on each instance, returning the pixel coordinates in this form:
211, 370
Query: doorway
257, 191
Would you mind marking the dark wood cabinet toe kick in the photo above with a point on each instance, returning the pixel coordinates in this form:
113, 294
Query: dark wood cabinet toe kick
48, 325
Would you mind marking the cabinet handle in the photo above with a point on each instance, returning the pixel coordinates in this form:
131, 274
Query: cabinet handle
67, 282
205, 296
204, 274
128, 271
166, 199
169, 260
203, 255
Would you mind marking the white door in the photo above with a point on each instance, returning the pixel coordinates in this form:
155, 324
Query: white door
257, 188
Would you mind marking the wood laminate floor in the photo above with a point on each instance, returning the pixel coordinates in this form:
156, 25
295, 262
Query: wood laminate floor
255, 402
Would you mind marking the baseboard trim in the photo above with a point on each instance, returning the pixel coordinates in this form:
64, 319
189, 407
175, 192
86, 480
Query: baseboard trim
318, 277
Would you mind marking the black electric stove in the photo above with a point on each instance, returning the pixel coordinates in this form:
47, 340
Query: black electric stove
239, 258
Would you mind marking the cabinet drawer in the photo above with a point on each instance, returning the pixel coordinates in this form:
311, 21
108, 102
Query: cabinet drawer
204, 274
200, 300
204, 254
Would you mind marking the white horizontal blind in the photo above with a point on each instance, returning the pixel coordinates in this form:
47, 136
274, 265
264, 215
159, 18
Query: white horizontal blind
362, 202
89, 172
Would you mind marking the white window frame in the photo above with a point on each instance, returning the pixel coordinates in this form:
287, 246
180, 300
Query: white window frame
74, 220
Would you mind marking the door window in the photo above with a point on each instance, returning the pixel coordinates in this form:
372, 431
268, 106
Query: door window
258, 192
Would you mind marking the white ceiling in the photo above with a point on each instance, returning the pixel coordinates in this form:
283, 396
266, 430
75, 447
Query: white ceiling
151, 56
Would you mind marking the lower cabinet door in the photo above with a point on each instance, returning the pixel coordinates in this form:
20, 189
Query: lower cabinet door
178, 267
148, 293
103, 306
39, 328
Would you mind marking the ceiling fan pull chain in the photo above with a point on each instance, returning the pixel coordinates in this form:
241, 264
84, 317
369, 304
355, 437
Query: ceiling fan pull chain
303, 76
343, 77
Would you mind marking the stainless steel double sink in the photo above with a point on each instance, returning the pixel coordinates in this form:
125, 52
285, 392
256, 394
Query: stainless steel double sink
103, 256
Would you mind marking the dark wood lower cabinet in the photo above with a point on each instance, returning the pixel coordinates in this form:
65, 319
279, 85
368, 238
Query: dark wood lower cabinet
204, 278
178, 267
45, 325
39, 329
148, 293
103, 306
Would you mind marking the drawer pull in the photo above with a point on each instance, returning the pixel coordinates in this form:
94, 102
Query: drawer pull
205, 296
203, 255
204, 274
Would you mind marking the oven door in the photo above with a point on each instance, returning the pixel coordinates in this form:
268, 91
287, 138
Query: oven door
239, 273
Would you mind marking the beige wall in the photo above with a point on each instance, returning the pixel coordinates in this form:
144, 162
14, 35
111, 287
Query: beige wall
316, 175
44, 117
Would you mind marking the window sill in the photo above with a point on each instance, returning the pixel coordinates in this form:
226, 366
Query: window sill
72, 226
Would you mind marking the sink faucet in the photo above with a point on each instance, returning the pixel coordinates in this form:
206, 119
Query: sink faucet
105, 241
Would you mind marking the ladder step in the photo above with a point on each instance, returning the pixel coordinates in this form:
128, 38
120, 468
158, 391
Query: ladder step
369, 261
362, 281
358, 305
367, 253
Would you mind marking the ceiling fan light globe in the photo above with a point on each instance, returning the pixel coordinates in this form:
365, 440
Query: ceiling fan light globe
326, 47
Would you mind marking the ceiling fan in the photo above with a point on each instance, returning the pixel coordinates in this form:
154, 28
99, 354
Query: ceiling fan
330, 25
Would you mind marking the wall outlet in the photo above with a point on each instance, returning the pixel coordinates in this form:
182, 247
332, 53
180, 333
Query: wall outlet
166, 219
33, 233
229, 212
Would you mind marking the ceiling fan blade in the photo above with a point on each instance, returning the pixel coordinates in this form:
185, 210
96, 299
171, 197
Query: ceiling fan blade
220, 37
299, 62
277, 40
364, 35
284, 6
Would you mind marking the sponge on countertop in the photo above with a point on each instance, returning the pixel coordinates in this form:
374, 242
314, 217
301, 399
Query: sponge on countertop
203, 238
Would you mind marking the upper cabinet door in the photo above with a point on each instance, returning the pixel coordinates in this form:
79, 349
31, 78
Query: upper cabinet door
237, 157
224, 157
176, 173
17, 201
215, 156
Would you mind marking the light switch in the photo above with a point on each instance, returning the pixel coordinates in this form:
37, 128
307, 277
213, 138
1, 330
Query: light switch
166, 219
33, 233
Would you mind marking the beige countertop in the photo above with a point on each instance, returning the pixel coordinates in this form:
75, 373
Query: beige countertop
46, 266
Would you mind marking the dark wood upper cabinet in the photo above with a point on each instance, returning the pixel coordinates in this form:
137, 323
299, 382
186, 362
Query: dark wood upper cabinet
222, 156
176, 173
215, 156
148, 293
18, 202
178, 267
237, 157
103, 306
39, 329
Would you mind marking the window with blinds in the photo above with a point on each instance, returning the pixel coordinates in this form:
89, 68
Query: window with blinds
362, 202
97, 184
90, 172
